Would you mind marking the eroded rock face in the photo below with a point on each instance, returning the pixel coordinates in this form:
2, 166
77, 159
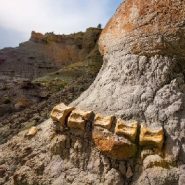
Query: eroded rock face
47, 53
142, 77
146, 28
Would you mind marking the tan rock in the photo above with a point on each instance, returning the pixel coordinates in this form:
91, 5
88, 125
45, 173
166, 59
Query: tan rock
129, 130
151, 137
61, 112
37, 37
114, 147
103, 121
78, 119
132, 27
32, 131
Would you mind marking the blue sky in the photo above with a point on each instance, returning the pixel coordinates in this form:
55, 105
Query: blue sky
19, 17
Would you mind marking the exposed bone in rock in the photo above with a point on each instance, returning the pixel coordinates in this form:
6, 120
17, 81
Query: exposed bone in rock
151, 137
103, 121
60, 113
129, 130
78, 119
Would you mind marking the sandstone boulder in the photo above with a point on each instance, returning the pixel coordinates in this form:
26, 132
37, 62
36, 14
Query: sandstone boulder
129, 130
151, 137
60, 113
103, 121
78, 119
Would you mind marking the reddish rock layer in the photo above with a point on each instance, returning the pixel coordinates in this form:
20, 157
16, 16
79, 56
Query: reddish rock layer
146, 27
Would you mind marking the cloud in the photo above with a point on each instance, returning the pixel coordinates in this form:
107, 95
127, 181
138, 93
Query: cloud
60, 16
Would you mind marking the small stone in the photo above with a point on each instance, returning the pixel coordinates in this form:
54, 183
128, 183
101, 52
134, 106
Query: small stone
151, 137
78, 119
32, 131
60, 113
128, 130
103, 121
129, 172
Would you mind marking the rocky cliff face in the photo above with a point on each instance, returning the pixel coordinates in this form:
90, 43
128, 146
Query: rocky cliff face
72, 59
140, 138
47, 53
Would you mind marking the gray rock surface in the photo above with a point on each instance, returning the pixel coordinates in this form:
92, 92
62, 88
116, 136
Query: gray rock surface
144, 80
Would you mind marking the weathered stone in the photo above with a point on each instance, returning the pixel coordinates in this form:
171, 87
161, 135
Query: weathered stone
78, 119
32, 131
129, 130
114, 147
103, 121
151, 137
145, 27
58, 144
156, 161
61, 112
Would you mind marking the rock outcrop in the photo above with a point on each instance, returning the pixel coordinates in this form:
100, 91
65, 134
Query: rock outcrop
46, 53
142, 78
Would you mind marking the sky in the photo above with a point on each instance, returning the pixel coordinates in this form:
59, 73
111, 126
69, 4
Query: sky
19, 17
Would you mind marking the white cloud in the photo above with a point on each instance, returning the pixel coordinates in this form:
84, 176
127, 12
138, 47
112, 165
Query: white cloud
60, 16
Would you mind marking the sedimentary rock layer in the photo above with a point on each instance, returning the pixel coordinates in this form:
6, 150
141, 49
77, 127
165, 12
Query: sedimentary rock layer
142, 77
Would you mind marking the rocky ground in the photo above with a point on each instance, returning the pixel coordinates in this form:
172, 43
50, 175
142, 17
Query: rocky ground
136, 135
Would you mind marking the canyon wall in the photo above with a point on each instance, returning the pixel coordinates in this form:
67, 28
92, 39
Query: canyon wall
47, 53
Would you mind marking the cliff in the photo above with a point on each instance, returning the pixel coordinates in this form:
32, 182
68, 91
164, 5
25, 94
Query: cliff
43, 54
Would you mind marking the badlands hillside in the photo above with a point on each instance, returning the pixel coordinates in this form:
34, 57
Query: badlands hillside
128, 127
42, 72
